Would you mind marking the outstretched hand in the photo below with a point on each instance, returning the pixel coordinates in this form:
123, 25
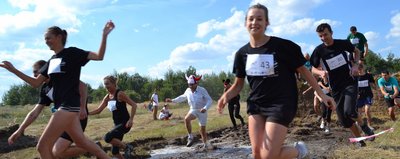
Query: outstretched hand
108, 27
7, 65
14, 137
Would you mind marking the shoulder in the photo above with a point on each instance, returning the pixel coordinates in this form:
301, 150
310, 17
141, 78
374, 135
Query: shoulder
244, 48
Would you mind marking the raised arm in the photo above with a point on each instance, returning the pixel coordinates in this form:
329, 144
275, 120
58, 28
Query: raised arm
100, 55
123, 97
34, 82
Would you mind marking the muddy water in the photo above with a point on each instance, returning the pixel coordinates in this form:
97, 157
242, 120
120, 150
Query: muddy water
224, 152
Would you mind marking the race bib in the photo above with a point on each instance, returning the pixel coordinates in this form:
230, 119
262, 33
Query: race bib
260, 65
55, 66
355, 41
389, 88
336, 62
50, 94
363, 83
112, 105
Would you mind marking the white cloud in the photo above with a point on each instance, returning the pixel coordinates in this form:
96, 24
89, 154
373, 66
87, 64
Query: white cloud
23, 58
395, 30
231, 35
129, 70
372, 38
93, 80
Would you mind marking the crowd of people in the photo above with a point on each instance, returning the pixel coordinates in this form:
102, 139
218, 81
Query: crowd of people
335, 71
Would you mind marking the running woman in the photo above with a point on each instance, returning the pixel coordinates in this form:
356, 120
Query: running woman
339, 60
389, 87
63, 147
270, 64
63, 69
233, 105
199, 102
115, 101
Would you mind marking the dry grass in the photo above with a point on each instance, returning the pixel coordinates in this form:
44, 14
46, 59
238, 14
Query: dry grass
144, 126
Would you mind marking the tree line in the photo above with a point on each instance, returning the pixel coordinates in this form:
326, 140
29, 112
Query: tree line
140, 88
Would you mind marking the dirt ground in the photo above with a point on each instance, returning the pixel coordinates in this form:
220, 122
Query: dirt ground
228, 143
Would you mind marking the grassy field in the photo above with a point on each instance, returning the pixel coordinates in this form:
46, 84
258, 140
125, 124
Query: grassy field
144, 126
385, 146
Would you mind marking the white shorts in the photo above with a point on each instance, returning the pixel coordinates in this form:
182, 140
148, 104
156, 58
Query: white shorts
202, 117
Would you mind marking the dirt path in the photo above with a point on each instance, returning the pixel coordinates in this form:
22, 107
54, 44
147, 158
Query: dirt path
231, 143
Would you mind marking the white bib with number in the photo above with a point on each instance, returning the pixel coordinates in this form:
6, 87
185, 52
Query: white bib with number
55, 66
363, 83
112, 105
355, 41
336, 62
50, 94
389, 88
260, 65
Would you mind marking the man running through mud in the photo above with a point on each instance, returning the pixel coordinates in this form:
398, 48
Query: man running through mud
199, 102
339, 59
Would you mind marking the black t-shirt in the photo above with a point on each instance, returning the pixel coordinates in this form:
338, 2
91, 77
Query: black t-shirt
270, 71
364, 87
120, 115
64, 70
336, 60
43, 98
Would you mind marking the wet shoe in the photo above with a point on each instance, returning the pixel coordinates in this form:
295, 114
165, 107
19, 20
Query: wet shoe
301, 148
128, 151
361, 144
368, 131
190, 142
327, 130
208, 146
322, 126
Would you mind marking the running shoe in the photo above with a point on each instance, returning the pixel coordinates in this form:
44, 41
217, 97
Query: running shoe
301, 148
128, 151
327, 129
189, 142
208, 146
361, 144
322, 126
368, 131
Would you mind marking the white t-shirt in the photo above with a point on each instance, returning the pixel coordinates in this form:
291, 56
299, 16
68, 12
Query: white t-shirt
155, 99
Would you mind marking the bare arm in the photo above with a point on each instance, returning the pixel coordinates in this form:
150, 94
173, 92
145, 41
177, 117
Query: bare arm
313, 83
233, 91
396, 92
83, 98
100, 55
101, 107
34, 82
366, 49
29, 119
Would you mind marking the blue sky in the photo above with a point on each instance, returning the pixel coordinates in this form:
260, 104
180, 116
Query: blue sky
154, 35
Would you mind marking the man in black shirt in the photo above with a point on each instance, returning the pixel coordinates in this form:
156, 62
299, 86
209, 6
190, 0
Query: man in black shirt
339, 60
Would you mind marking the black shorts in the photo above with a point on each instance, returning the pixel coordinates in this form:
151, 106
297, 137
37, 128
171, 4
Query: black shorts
83, 126
346, 107
282, 114
390, 102
117, 132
